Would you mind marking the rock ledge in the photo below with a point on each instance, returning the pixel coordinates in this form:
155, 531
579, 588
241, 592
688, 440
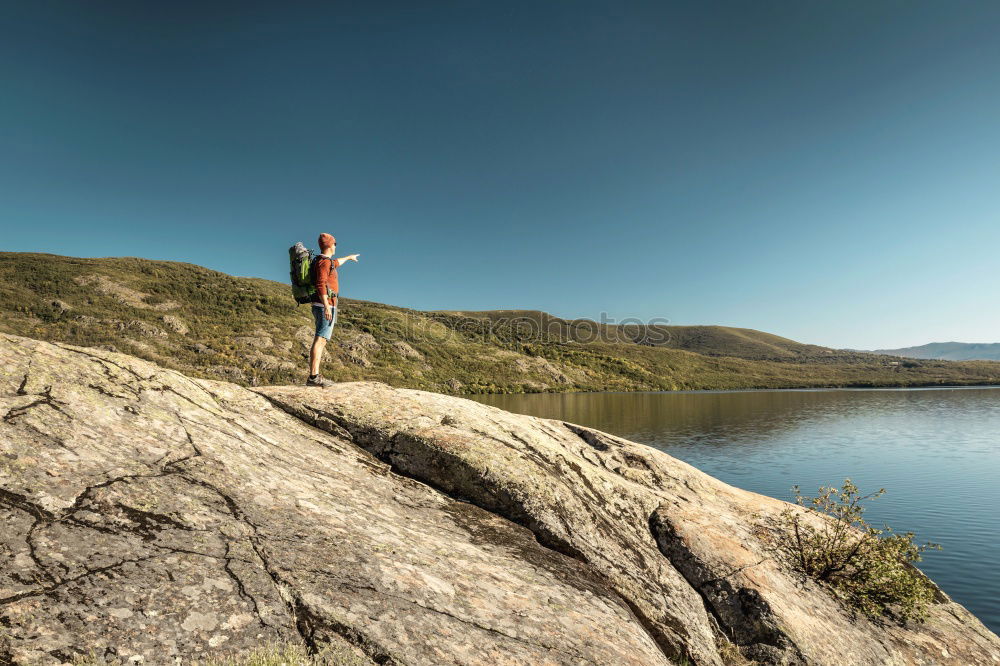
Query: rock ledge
149, 517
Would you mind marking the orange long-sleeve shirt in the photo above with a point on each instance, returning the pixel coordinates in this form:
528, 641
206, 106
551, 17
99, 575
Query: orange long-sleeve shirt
325, 278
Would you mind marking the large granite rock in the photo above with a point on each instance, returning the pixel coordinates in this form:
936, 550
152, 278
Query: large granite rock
693, 557
150, 518
147, 516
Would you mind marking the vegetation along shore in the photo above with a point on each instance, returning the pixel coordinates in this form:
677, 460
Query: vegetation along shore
179, 315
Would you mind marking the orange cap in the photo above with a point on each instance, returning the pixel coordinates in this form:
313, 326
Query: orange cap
326, 241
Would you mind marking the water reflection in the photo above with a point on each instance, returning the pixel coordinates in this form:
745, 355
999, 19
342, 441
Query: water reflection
936, 450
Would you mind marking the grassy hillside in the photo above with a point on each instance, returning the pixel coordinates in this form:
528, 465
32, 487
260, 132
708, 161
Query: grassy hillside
708, 340
250, 331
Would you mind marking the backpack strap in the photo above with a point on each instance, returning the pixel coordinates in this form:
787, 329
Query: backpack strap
314, 265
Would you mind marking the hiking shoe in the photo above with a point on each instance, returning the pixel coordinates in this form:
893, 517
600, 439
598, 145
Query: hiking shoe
319, 380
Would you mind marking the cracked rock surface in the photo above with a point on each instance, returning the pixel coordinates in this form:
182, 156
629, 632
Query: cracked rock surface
147, 517
693, 557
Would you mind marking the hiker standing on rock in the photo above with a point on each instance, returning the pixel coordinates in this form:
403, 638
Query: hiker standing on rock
323, 274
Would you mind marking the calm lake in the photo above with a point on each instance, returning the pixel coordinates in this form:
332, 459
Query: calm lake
936, 451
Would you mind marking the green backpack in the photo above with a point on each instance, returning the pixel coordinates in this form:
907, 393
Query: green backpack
300, 262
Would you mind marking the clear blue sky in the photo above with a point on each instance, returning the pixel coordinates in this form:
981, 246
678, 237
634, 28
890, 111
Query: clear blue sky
827, 171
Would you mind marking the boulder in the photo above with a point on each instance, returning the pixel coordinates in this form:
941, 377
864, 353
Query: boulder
358, 347
153, 518
264, 361
254, 341
140, 327
121, 293
175, 324
406, 351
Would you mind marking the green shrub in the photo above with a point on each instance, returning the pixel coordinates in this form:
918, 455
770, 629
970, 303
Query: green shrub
872, 568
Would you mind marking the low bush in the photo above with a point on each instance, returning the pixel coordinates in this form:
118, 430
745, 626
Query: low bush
872, 568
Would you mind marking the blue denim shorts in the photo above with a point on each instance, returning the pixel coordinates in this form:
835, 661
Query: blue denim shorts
324, 327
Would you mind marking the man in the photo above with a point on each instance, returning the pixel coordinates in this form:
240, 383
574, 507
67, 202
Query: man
324, 303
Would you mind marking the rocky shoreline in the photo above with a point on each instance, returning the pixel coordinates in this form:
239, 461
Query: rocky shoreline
151, 517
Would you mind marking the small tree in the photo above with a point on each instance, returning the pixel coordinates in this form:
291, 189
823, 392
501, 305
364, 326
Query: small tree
872, 567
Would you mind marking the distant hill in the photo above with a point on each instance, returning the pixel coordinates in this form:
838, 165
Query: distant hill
708, 340
949, 351
248, 330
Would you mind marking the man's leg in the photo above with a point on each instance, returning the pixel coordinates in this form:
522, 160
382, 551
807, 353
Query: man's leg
316, 354
324, 328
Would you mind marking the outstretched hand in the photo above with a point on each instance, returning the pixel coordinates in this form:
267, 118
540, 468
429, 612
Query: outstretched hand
352, 257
